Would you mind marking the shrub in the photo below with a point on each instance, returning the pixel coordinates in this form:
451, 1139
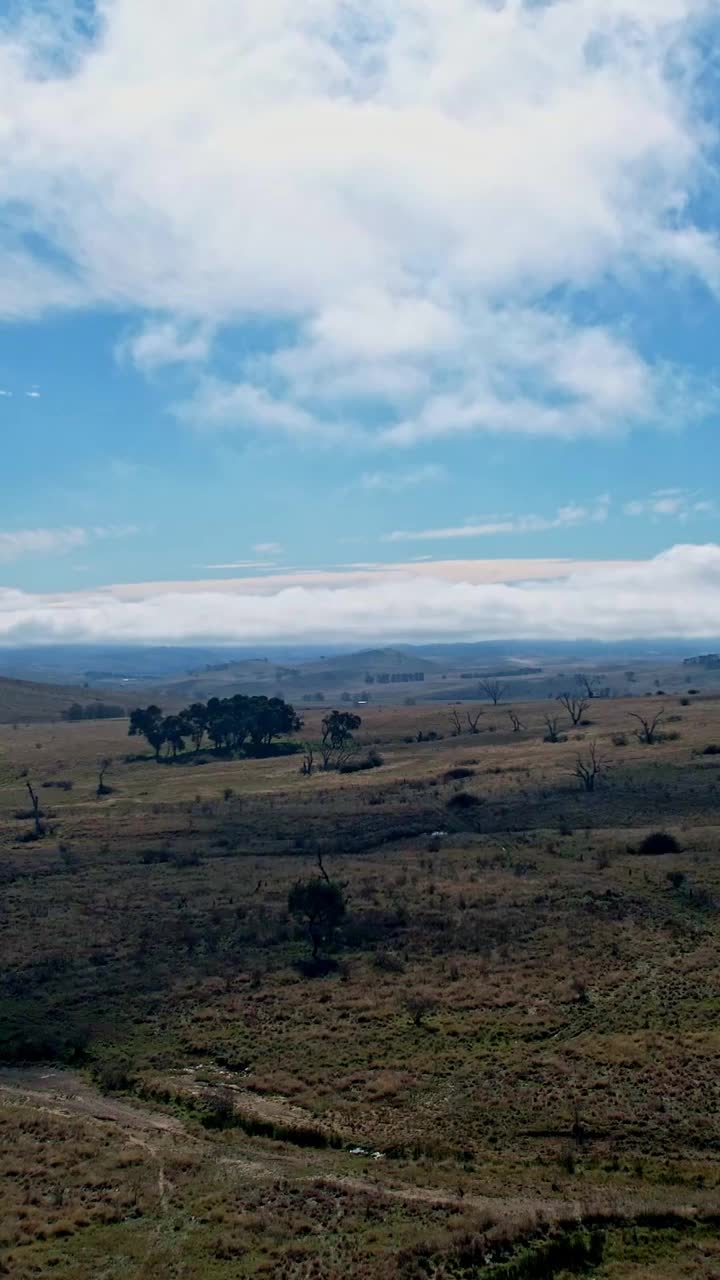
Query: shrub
676, 878
388, 962
619, 740
460, 771
659, 842
712, 749
463, 800
62, 784
373, 760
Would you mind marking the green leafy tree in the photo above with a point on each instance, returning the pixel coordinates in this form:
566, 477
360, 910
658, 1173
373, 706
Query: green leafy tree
338, 727
175, 730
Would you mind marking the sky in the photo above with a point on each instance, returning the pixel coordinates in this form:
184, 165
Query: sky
359, 319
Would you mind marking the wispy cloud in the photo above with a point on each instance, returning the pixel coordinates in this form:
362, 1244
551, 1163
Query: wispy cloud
17, 543
33, 395
565, 517
166, 342
401, 481
676, 503
267, 548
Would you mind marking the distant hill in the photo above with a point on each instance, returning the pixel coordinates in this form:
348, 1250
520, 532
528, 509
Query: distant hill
372, 661
24, 701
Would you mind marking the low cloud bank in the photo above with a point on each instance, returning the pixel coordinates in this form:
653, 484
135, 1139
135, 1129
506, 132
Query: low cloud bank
676, 594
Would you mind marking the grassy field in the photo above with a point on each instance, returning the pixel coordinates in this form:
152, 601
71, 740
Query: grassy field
509, 1068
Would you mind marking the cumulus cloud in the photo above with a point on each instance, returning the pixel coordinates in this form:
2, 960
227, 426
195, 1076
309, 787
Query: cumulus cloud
407, 194
17, 543
565, 517
676, 594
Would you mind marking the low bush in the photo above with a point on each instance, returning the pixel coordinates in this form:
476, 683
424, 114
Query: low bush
373, 760
712, 749
659, 842
463, 800
460, 771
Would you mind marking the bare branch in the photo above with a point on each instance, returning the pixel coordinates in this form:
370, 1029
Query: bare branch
575, 707
516, 722
493, 690
473, 720
648, 731
588, 767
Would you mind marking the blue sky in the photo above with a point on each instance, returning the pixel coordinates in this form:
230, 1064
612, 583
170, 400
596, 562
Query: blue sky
335, 287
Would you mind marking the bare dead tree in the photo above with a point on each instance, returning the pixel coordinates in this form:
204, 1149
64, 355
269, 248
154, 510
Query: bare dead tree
589, 684
493, 690
575, 707
516, 722
588, 767
473, 720
551, 725
648, 731
37, 815
321, 867
103, 767
457, 727
308, 763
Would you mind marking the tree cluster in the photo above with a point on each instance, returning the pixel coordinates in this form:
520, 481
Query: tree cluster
94, 711
229, 724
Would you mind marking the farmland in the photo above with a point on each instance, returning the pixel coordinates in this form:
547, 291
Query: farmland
507, 1060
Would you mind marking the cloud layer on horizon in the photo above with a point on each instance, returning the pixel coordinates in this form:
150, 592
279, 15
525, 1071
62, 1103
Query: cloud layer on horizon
676, 594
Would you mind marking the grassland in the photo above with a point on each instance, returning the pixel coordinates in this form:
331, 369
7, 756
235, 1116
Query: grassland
510, 1068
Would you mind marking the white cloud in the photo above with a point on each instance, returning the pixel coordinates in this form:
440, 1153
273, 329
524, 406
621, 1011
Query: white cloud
267, 548
675, 594
401, 481
33, 395
565, 517
166, 342
678, 503
24, 542
402, 192
14, 544
5, 393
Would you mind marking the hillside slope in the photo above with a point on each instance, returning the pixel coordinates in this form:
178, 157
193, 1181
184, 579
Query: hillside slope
27, 702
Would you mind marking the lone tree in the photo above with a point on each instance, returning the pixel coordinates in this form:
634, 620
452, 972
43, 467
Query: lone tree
588, 767
493, 690
103, 766
318, 905
474, 720
457, 726
589, 684
515, 721
575, 707
338, 727
36, 811
551, 725
648, 731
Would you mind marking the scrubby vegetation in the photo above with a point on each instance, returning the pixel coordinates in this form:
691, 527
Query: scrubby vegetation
451, 1017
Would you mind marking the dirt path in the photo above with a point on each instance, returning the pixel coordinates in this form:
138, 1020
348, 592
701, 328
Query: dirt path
69, 1094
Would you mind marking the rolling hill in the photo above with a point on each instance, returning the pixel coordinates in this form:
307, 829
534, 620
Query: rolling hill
27, 702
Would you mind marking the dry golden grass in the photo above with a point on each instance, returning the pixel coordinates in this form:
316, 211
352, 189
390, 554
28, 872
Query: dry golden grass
569, 1050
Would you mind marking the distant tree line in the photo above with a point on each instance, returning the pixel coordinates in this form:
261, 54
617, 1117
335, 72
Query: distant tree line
230, 725
94, 711
709, 660
394, 677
